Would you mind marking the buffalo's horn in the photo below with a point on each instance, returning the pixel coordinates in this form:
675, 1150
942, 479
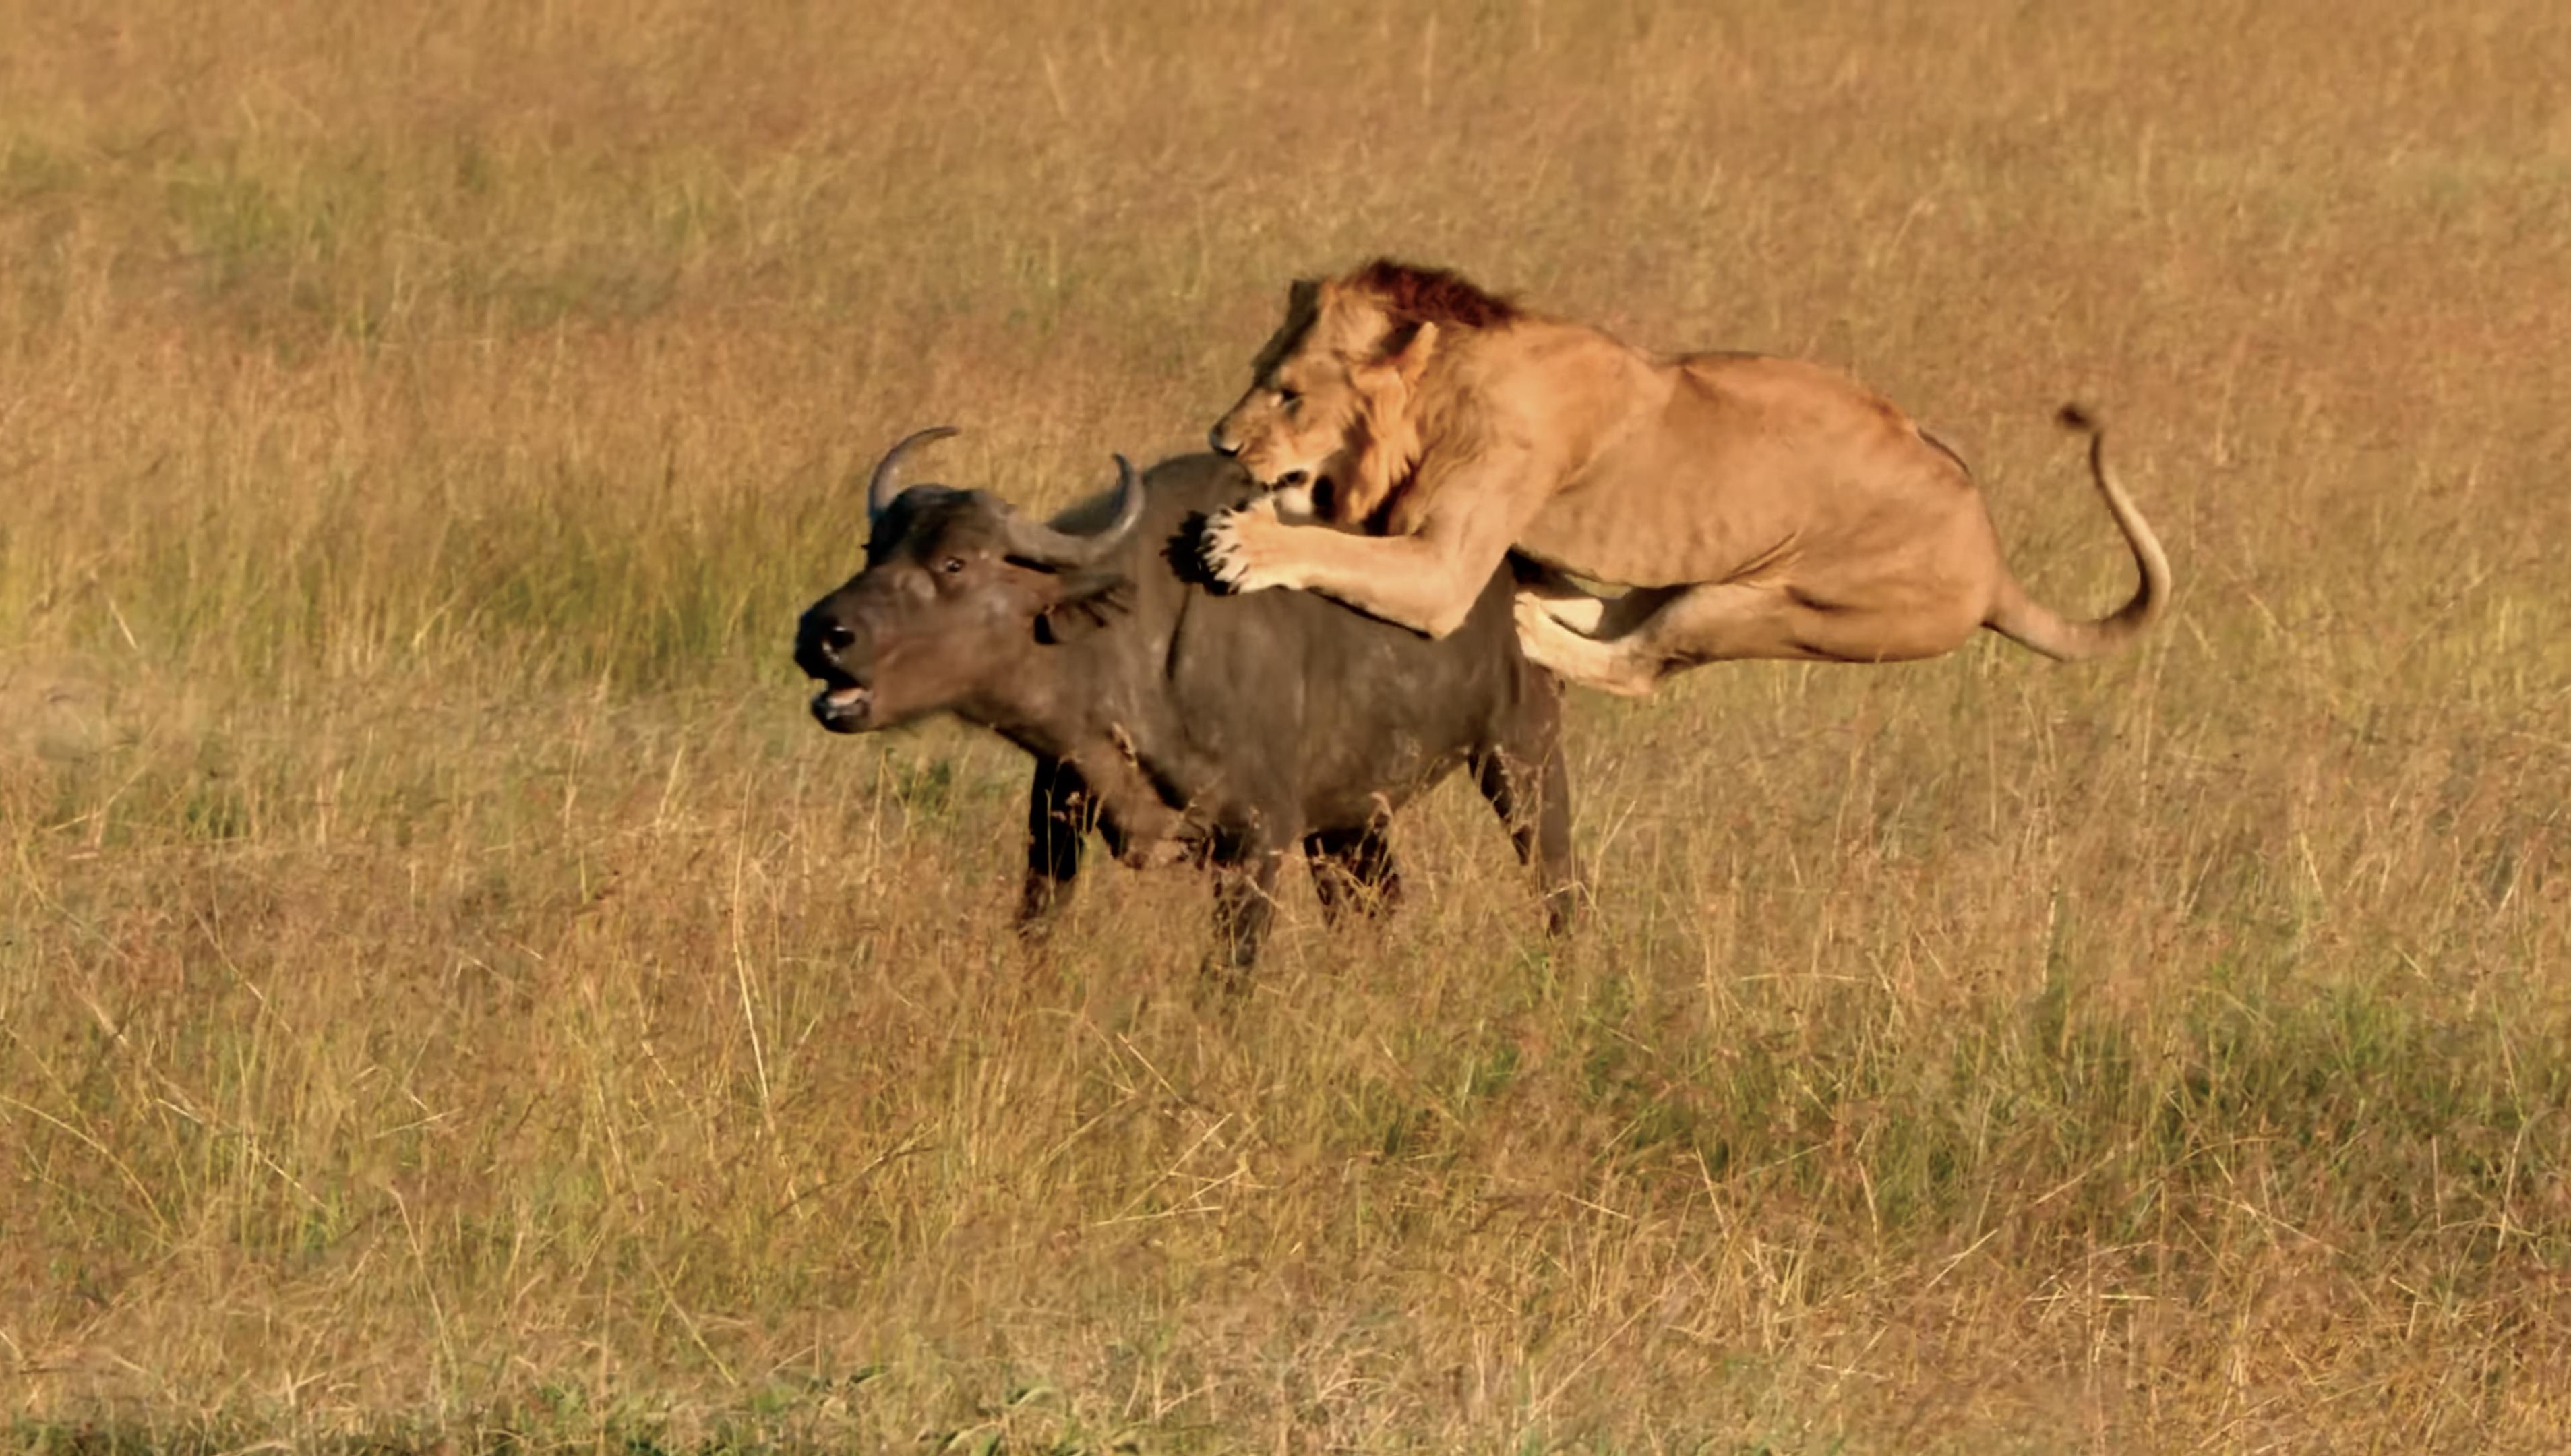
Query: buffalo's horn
1046, 545
885, 486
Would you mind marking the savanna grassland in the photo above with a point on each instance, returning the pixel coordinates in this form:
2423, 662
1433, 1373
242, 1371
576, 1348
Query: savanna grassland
451, 995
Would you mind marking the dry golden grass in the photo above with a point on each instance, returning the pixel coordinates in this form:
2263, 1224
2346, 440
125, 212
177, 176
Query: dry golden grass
449, 992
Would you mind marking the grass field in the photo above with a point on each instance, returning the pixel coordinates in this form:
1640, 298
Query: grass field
452, 997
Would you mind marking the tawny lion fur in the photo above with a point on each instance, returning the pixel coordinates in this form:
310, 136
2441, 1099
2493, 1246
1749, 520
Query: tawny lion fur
1755, 507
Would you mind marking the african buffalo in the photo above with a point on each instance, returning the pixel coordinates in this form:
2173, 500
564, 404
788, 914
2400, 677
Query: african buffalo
1177, 721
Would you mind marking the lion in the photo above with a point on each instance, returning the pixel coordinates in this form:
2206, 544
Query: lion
1413, 430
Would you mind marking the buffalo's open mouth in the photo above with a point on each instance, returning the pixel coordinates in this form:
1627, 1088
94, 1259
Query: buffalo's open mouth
844, 707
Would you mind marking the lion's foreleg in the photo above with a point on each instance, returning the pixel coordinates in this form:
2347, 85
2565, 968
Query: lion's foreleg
1424, 583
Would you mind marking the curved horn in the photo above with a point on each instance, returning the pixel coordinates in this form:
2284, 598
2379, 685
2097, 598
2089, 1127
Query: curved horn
1046, 545
883, 488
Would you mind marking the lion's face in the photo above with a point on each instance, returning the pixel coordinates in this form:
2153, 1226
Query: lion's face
1293, 427
1317, 414
1294, 424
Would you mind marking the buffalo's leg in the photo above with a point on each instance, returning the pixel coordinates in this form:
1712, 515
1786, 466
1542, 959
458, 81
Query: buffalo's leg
1059, 814
1353, 870
1244, 897
1527, 784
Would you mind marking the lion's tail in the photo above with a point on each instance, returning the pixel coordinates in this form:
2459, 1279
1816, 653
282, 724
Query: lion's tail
2021, 618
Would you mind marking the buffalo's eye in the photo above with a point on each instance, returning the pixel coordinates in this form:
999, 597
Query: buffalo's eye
951, 564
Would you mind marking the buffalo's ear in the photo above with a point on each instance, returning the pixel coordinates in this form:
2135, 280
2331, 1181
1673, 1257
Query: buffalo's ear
1080, 602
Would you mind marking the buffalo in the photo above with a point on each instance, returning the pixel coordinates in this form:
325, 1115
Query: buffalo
1179, 723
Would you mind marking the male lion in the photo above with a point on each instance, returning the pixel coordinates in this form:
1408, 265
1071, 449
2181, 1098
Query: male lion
1754, 507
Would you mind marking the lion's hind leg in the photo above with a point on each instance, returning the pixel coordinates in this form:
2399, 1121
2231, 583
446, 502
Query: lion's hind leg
1586, 639
1560, 596
1646, 636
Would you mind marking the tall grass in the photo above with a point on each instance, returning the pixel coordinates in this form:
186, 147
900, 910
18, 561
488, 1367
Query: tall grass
449, 993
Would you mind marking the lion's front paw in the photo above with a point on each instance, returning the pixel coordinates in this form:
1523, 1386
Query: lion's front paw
1244, 547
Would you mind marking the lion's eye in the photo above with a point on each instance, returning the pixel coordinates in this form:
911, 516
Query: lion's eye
1287, 399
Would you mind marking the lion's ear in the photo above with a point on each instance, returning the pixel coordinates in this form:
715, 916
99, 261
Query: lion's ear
1409, 353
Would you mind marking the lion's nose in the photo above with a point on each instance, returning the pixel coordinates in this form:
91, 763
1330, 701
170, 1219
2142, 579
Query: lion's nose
1213, 438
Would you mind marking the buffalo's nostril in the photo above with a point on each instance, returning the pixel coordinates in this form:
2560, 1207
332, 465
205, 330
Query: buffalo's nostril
835, 639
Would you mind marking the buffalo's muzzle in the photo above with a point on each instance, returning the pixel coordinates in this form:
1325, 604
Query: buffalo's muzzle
843, 710
819, 641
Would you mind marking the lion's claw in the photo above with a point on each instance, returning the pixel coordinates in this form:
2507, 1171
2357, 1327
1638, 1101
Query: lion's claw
1230, 557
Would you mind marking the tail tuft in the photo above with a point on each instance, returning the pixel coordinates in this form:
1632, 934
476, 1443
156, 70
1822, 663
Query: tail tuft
2078, 416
